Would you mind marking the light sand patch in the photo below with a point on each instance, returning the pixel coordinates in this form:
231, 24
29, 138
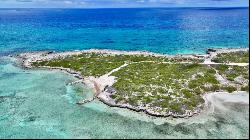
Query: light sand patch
217, 99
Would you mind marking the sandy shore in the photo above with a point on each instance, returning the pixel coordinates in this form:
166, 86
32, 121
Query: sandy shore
220, 100
99, 83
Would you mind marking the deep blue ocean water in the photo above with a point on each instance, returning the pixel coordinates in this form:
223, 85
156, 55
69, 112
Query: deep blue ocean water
41, 104
163, 30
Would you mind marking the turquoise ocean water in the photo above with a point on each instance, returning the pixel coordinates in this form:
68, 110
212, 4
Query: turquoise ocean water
40, 104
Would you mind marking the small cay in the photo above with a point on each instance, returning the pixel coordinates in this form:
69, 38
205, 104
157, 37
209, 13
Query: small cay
157, 84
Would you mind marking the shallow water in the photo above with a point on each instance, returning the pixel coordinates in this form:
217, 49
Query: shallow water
39, 104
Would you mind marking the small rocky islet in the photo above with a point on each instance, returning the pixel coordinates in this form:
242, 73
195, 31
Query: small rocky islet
157, 84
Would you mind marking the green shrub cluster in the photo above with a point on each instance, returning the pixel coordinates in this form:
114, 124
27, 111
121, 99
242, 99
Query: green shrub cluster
147, 81
232, 57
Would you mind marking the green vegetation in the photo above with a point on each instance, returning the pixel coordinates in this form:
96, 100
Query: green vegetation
175, 87
87, 64
92, 64
232, 72
245, 88
232, 57
230, 89
160, 83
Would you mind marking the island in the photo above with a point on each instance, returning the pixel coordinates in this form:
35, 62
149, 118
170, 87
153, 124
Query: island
157, 84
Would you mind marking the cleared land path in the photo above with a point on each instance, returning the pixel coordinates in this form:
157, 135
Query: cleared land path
98, 81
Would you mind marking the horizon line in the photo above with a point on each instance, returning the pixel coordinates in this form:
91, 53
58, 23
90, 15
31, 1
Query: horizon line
117, 7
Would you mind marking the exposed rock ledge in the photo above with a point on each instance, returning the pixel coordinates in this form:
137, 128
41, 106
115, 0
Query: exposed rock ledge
108, 101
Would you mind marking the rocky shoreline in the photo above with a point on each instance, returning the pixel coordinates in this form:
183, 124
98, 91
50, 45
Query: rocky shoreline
152, 113
28, 58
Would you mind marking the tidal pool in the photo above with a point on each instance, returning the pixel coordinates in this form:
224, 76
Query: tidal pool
39, 104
